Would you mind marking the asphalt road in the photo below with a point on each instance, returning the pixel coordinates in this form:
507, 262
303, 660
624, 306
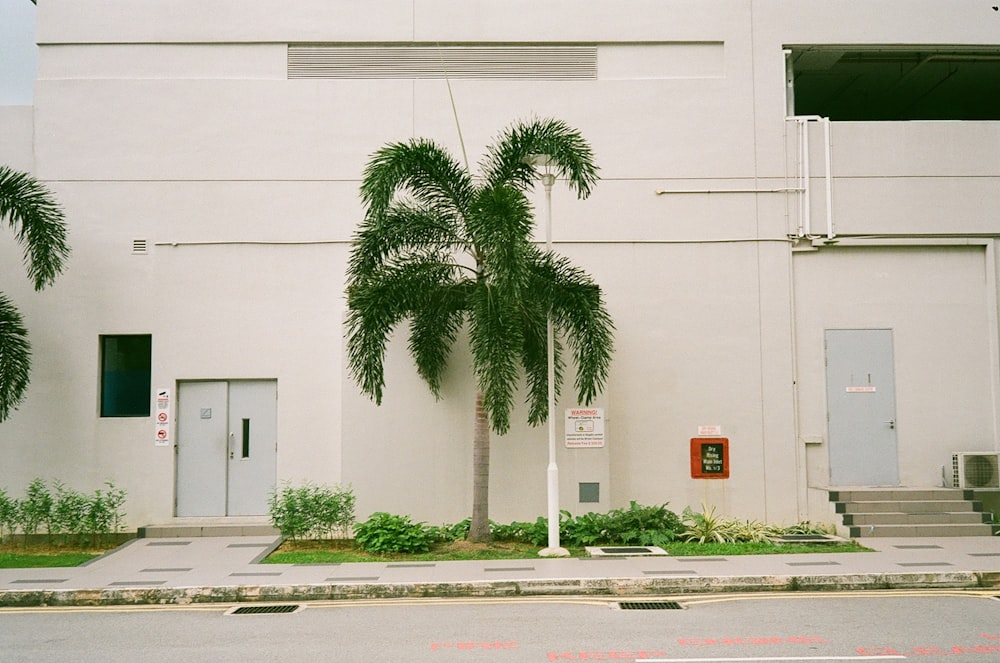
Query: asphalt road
924, 626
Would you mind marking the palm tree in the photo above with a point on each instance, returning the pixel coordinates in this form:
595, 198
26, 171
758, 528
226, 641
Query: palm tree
448, 251
37, 221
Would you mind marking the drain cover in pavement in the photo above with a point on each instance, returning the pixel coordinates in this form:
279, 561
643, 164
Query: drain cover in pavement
650, 605
263, 609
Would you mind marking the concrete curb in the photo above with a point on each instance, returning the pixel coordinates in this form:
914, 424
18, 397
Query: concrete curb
599, 587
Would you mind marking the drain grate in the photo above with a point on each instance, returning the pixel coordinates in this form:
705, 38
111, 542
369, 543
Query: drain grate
263, 609
650, 605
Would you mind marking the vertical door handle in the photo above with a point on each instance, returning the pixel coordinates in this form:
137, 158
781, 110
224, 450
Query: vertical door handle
232, 436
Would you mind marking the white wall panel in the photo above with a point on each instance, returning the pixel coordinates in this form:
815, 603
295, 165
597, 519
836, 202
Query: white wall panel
213, 130
167, 61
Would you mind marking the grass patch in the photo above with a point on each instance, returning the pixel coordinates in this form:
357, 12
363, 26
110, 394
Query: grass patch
10, 560
345, 551
42, 551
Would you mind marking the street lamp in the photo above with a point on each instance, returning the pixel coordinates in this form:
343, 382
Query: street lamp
553, 549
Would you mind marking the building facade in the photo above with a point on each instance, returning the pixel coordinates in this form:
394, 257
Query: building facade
796, 230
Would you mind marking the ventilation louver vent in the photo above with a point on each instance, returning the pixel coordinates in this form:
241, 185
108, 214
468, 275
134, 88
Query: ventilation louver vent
975, 470
650, 605
263, 609
139, 247
374, 62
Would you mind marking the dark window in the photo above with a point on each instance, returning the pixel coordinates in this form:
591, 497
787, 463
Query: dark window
895, 83
125, 375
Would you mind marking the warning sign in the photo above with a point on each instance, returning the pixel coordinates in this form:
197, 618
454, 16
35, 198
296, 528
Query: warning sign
585, 428
162, 432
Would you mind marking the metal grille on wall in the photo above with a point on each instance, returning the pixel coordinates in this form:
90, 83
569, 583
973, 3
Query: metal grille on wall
513, 62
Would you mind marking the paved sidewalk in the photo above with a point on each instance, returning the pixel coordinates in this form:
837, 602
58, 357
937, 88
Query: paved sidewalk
226, 569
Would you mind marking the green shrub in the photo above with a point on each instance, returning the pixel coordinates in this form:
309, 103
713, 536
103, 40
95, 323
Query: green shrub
636, 525
36, 508
311, 511
9, 516
515, 532
642, 525
65, 512
69, 512
104, 511
385, 533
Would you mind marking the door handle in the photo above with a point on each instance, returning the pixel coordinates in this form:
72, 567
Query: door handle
892, 423
232, 437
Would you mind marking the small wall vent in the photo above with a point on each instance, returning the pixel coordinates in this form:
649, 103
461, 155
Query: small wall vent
140, 247
973, 469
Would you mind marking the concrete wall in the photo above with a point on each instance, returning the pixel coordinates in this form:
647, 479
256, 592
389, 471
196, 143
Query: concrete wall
182, 129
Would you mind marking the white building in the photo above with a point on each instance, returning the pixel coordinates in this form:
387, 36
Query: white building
823, 294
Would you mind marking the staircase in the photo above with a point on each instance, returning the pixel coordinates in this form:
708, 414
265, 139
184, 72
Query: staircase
913, 512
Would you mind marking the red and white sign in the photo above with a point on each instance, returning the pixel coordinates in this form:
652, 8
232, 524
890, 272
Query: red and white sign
162, 432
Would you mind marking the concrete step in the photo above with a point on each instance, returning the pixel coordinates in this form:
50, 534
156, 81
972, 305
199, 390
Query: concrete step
197, 527
898, 494
921, 530
900, 518
909, 506
915, 512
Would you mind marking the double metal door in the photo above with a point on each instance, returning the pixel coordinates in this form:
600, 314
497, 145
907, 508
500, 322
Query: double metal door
226, 447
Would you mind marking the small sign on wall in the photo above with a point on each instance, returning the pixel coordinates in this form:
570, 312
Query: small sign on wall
162, 415
585, 427
709, 458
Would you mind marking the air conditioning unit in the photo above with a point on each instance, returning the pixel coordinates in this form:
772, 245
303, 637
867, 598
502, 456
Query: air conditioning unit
975, 469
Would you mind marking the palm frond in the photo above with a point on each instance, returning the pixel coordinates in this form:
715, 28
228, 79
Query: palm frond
434, 328
535, 362
500, 229
32, 211
420, 169
579, 312
15, 358
404, 228
571, 155
496, 339
377, 303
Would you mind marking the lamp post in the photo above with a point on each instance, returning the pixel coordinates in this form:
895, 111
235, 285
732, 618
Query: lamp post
552, 472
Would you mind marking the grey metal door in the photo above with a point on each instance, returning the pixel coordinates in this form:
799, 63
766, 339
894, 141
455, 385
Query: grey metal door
226, 447
252, 445
861, 407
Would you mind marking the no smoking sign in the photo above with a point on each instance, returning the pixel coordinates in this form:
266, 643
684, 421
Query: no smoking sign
162, 436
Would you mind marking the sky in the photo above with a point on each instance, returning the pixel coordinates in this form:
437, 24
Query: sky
18, 53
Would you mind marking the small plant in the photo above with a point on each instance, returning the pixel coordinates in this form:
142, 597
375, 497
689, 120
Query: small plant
104, 512
385, 533
69, 512
750, 531
806, 527
311, 511
515, 532
8, 514
36, 508
64, 512
706, 526
641, 524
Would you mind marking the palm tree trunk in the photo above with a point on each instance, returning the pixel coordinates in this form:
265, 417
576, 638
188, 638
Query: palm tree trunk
479, 529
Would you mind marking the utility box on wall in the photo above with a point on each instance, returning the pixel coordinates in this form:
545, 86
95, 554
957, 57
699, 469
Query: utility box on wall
709, 458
